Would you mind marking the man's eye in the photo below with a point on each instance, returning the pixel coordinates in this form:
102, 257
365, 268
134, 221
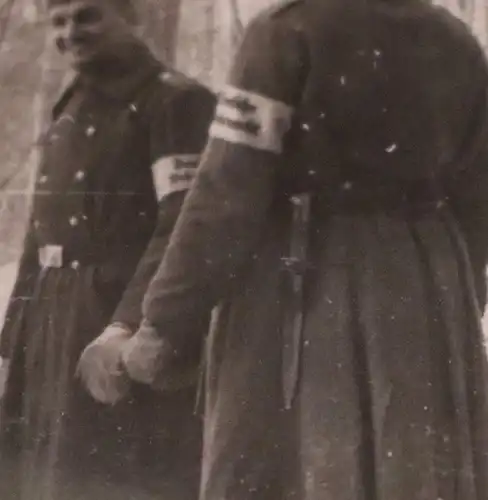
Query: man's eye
88, 16
58, 21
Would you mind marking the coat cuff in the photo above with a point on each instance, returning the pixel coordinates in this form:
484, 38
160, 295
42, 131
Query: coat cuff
117, 329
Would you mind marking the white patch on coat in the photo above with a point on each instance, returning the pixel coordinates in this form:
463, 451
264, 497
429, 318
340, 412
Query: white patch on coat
174, 173
251, 119
51, 256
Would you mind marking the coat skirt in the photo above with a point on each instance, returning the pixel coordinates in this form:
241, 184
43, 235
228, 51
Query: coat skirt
66, 446
392, 393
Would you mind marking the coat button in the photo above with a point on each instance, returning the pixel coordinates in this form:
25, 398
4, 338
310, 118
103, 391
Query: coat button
347, 185
75, 264
80, 175
90, 131
43, 179
73, 221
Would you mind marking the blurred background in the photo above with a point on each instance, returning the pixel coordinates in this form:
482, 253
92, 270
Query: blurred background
198, 37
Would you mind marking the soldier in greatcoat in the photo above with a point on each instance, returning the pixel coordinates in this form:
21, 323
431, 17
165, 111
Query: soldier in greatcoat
340, 220
117, 159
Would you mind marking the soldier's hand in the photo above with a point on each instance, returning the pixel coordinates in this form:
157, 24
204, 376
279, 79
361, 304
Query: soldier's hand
100, 366
144, 354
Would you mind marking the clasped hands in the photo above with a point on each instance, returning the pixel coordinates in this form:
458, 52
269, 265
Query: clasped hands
109, 363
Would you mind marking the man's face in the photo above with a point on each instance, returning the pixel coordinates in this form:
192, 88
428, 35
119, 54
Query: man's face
89, 30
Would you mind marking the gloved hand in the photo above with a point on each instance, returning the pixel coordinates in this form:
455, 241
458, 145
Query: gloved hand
145, 354
4, 369
150, 359
100, 365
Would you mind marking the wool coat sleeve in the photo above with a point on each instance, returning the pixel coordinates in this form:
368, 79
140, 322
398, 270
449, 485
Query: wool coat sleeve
468, 190
180, 114
224, 213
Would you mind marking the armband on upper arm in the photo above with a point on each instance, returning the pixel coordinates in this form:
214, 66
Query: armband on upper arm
251, 119
174, 173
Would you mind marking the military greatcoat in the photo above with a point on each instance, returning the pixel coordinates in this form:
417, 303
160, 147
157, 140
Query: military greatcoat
384, 122
117, 160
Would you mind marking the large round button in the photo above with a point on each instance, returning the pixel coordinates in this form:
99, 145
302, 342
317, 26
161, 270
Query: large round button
75, 264
73, 221
90, 131
80, 175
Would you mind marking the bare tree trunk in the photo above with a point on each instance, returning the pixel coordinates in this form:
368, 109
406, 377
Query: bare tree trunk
231, 18
476, 16
170, 29
472, 12
196, 38
160, 20
453, 5
23, 73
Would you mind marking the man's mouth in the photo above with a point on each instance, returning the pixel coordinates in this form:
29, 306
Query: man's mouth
80, 49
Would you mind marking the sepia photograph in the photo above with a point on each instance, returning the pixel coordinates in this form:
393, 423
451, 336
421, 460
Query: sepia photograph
243, 249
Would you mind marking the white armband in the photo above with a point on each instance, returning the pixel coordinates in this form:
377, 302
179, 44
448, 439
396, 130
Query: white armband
174, 173
251, 119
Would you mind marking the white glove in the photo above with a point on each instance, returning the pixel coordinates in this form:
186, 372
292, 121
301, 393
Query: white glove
4, 370
100, 365
143, 355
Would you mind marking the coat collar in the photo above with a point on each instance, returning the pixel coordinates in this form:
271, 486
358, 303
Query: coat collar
139, 68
